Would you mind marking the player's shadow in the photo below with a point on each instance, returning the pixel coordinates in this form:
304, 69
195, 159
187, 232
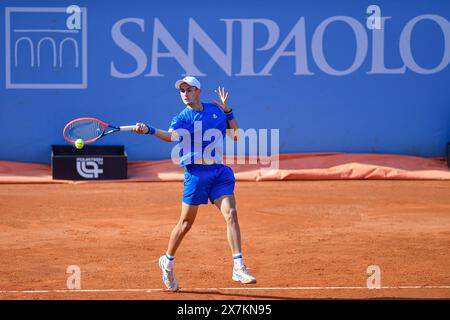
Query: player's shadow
256, 296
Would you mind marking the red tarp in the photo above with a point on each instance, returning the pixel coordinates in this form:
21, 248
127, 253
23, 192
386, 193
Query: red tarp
302, 166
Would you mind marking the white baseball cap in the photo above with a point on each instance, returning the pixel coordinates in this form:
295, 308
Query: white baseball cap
189, 80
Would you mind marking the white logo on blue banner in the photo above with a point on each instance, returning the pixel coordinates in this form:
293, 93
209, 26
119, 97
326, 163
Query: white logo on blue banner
46, 48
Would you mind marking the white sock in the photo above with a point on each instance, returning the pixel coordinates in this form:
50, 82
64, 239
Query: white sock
169, 262
237, 260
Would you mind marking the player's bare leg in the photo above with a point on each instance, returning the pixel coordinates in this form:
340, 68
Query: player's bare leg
227, 206
187, 218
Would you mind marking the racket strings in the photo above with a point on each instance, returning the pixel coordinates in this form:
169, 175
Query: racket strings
84, 129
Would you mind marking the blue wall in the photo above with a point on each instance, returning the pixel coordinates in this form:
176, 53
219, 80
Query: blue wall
399, 105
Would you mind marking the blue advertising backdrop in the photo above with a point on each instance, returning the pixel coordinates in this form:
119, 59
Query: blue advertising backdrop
330, 75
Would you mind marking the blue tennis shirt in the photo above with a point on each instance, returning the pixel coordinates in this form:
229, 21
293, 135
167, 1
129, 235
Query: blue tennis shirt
197, 123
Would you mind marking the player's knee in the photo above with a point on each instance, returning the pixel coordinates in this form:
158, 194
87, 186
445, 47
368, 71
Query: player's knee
185, 226
231, 216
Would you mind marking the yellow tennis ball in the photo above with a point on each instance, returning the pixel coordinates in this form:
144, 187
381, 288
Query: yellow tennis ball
79, 144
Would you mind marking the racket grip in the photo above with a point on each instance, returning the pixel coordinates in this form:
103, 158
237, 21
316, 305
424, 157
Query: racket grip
127, 128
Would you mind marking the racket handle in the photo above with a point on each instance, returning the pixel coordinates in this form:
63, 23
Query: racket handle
127, 128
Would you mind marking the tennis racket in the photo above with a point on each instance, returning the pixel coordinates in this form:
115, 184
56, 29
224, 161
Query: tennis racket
90, 130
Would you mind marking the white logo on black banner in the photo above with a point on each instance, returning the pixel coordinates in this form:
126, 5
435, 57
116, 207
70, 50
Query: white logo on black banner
46, 48
89, 168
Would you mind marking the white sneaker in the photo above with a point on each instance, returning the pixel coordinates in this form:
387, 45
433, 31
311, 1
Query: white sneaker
242, 275
168, 276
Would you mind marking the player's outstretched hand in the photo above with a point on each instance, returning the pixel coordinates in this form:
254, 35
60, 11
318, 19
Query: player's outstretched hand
223, 99
141, 128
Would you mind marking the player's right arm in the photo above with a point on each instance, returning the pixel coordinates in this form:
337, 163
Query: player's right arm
169, 135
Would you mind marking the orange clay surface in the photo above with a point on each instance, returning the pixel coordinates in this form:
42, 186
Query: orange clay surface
301, 239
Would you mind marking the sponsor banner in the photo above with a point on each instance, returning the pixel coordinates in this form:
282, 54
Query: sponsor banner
328, 76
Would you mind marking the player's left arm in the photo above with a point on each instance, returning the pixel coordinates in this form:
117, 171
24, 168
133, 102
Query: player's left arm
223, 96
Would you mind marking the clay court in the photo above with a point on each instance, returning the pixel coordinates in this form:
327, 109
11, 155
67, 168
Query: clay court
301, 239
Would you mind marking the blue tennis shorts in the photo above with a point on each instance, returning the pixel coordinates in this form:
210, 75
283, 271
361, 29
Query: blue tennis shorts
207, 181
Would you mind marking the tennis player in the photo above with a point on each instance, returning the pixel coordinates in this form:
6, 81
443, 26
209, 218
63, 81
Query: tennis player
204, 178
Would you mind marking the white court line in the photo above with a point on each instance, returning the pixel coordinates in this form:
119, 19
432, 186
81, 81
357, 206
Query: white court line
218, 289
